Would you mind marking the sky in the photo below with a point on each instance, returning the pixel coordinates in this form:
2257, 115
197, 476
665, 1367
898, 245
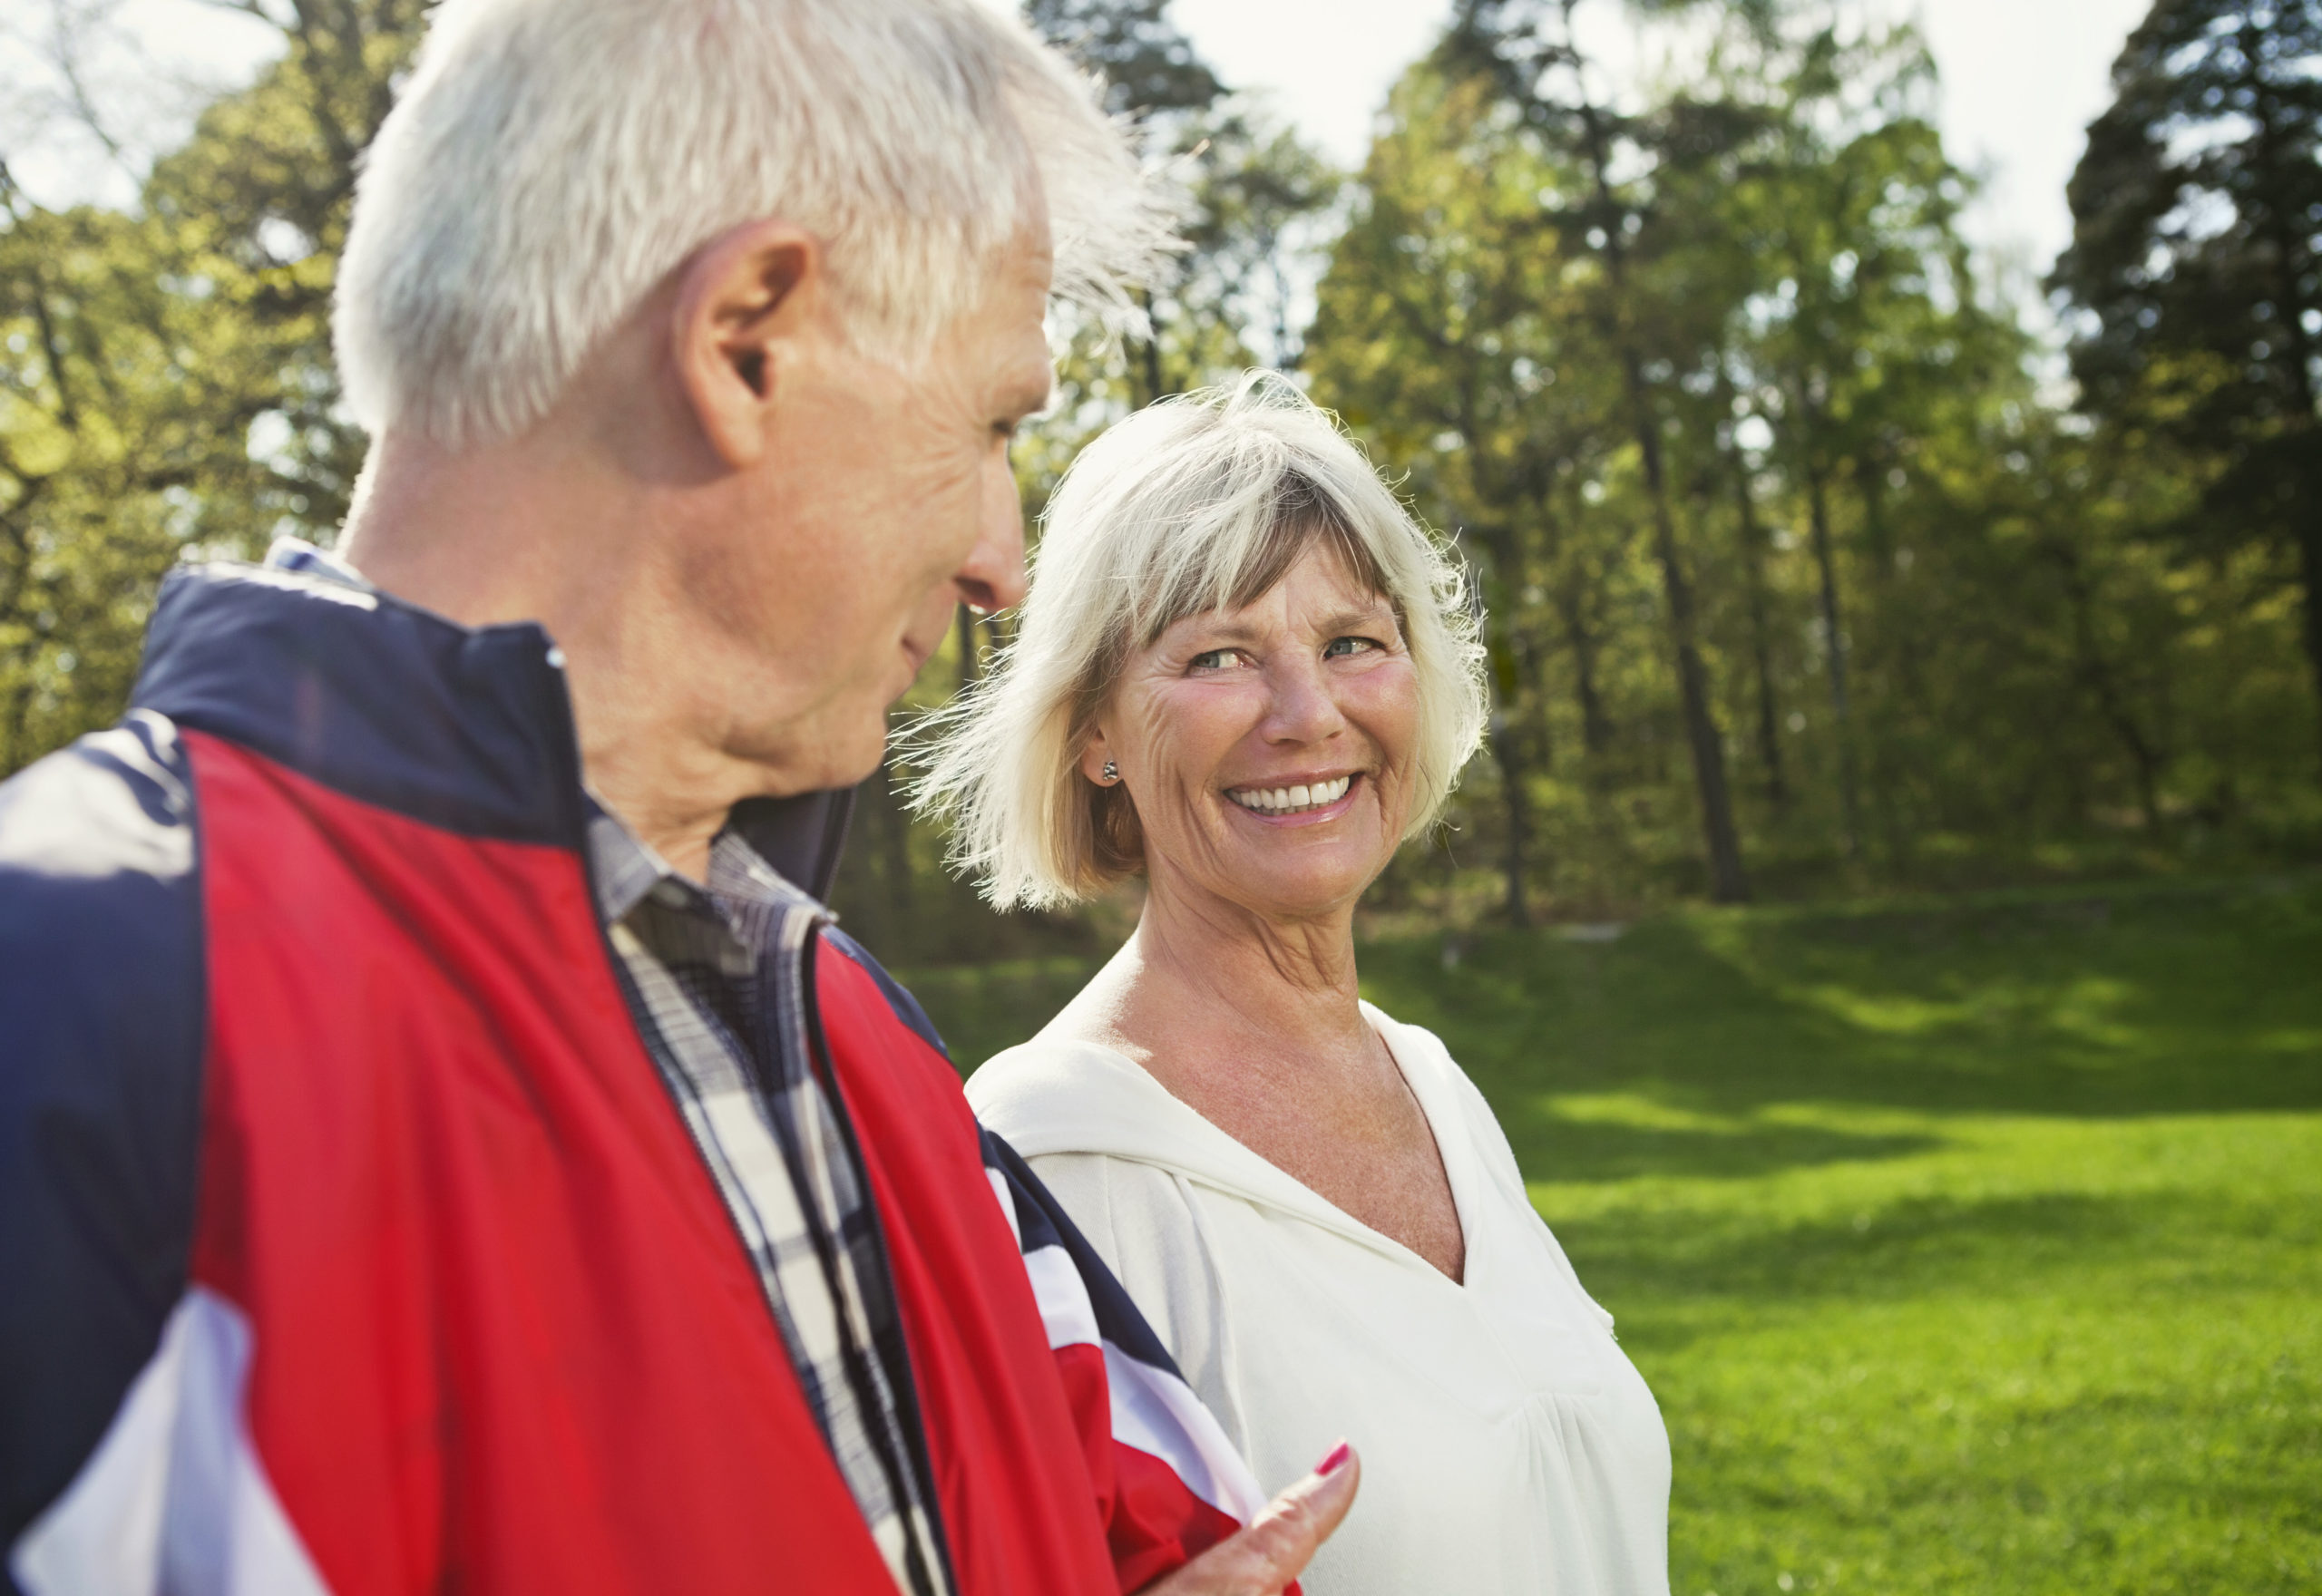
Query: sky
2020, 81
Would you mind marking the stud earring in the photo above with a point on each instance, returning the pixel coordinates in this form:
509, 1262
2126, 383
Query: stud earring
1112, 771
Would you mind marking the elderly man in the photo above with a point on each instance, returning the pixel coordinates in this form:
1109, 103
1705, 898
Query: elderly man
444, 1140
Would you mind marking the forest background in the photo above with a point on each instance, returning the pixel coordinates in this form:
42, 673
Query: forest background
1961, 1200
1815, 561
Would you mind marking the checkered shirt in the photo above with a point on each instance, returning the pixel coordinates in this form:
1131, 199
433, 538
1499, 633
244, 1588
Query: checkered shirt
716, 979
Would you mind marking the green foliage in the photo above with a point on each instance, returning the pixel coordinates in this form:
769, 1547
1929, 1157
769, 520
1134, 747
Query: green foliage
2196, 264
89, 507
1147, 65
1968, 1244
1939, 637
1769, 511
166, 387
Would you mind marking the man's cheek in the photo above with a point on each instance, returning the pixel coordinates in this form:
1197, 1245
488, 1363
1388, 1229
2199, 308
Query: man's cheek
933, 611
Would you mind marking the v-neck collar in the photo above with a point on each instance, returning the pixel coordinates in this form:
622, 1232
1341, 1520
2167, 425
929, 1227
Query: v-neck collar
1082, 1098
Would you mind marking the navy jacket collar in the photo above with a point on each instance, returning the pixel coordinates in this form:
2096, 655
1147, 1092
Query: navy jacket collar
470, 730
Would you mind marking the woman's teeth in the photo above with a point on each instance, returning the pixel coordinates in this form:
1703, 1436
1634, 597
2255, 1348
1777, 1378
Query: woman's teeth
1291, 800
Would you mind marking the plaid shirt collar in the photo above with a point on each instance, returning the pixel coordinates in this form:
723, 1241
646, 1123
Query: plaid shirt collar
625, 870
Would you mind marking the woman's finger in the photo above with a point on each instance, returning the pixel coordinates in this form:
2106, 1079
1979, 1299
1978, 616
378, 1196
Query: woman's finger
1277, 1546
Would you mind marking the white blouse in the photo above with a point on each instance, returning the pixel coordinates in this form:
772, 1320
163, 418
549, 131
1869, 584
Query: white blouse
1508, 1445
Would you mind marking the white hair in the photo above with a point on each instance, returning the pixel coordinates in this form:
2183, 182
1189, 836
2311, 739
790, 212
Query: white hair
1197, 504
551, 160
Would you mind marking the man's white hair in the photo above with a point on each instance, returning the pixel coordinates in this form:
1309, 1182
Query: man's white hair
551, 160
1195, 504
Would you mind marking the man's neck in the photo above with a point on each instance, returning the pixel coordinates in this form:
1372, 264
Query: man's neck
516, 534
471, 536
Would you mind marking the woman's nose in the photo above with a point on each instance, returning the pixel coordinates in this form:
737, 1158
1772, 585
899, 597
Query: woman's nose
1302, 708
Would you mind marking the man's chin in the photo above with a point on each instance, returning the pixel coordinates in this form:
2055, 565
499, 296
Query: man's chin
849, 771
842, 756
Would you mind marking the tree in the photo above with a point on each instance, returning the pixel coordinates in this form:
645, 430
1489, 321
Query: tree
1846, 207
1149, 64
166, 385
1442, 319
90, 510
1698, 378
2197, 260
1249, 186
1528, 51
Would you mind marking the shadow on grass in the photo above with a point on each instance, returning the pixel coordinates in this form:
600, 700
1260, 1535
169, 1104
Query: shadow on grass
1553, 1147
2047, 1246
2140, 1003
2146, 1000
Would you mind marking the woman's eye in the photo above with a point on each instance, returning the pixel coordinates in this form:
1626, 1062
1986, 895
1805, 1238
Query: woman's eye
1339, 647
1215, 659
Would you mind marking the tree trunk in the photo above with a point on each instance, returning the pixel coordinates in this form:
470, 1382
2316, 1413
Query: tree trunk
970, 660
1727, 882
1507, 734
21, 609
1150, 351
2311, 574
1754, 564
2283, 228
1516, 862
1572, 605
1834, 647
1898, 640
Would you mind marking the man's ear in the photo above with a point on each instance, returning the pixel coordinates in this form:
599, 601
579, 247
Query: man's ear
744, 301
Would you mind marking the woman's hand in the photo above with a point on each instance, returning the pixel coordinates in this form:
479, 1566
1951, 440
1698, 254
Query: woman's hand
1275, 1549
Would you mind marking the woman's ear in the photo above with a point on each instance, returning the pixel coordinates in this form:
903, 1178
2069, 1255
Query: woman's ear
1097, 757
744, 302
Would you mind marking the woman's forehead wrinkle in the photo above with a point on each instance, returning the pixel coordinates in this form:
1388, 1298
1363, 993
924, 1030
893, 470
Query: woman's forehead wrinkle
1244, 623
1366, 615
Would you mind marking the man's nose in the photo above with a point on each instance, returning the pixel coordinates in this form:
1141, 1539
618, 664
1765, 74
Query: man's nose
993, 575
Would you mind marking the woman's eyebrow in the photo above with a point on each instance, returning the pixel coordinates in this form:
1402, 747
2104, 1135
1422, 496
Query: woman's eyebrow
1218, 630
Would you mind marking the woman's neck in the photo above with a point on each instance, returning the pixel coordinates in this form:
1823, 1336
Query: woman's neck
1255, 1023
1204, 981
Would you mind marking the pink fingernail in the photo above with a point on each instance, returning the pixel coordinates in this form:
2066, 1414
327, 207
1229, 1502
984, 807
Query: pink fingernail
1336, 1460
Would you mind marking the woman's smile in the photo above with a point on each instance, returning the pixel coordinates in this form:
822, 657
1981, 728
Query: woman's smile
1297, 801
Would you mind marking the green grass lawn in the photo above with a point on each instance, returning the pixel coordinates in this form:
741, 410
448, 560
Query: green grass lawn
1970, 1245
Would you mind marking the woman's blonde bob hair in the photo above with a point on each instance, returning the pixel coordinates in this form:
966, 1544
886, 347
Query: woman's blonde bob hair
1195, 504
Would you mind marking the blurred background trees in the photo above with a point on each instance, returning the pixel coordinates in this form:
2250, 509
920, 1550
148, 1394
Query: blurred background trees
166, 387
1813, 565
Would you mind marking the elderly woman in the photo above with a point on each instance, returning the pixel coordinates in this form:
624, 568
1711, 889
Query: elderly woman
1245, 673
